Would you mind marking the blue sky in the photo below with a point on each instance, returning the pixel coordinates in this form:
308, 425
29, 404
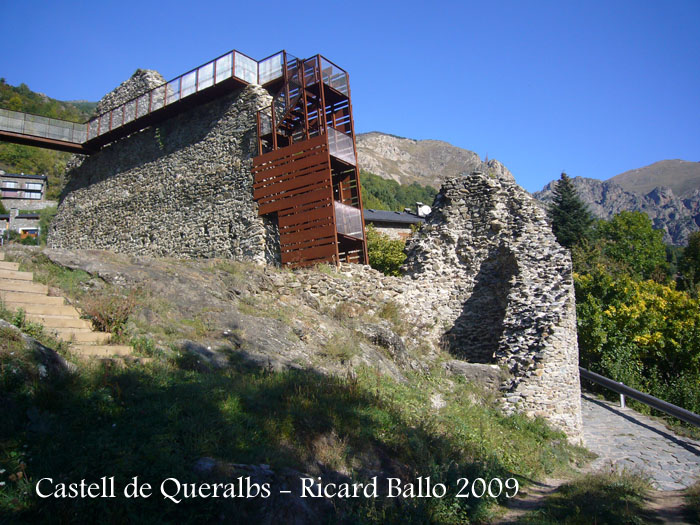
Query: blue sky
593, 88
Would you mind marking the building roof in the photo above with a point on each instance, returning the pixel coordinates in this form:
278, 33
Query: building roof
28, 216
24, 176
4, 217
403, 217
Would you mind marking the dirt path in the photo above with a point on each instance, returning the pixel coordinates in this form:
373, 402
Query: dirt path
529, 499
664, 507
668, 507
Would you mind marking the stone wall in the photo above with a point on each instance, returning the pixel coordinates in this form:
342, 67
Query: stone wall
182, 188
487, 260
487, 282
27, 204
485, 279
396, 233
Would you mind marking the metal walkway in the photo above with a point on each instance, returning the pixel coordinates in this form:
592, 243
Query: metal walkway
202, 84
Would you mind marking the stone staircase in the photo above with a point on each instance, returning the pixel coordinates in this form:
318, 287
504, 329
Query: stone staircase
19, 291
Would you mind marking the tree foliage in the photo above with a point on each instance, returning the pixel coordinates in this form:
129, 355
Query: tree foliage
571, 220
15, 158
21, 98
385, 254
629, 239
642, 333
384, 194
689, 265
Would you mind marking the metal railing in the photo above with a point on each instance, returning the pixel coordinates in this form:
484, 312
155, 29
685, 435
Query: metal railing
653, 402
232, 64
48, 128
317, 69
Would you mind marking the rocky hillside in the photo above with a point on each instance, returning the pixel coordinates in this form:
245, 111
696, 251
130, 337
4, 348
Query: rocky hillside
681, 176
676, 212
427, 162
264, 373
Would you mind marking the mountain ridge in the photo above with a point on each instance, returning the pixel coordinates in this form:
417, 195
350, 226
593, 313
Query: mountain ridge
677, 217
681, 176
405, 160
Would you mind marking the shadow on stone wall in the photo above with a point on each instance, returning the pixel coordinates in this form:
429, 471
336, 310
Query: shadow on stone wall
150, 146
477, 331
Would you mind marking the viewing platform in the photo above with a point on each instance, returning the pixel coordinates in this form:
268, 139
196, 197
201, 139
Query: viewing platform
305, 176
228, 72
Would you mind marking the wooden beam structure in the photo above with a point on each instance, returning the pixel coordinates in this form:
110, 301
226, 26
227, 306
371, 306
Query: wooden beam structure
306, 172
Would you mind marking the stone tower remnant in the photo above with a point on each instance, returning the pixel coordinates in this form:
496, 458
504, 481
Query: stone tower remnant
487, 260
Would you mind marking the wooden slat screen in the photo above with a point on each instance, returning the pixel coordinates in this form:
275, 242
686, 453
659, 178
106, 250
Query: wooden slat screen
295, 182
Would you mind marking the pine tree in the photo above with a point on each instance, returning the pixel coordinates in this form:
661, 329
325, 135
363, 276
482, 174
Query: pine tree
571, 220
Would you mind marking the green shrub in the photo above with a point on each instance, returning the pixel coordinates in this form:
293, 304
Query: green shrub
385, 254
642, 333
109, 311
144, 346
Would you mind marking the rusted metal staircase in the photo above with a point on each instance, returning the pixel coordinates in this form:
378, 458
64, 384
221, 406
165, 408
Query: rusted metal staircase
306, 172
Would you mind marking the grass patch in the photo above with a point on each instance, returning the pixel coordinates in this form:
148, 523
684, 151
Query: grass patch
692, 496
71, 282
154, 421
393, 313
269, 308
602, 498
340, 348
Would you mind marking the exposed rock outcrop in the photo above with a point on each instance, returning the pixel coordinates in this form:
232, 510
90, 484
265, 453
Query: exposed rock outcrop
427, 162
676, 217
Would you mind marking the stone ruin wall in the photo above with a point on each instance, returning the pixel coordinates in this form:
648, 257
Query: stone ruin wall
486, 281
485, 278
487, 261
182, 188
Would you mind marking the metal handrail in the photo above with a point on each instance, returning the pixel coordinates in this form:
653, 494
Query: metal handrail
654, 402
40, 126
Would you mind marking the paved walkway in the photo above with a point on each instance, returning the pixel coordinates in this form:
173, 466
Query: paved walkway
627, 439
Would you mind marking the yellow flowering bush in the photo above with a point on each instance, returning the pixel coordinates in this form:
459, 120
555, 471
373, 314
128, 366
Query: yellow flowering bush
641, 332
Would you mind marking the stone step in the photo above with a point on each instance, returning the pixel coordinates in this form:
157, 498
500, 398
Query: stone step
100, 350
121, 361
24, 299
15, 275
23, 286
2, 256
9, 266
81, 335
59, 321
38, 308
